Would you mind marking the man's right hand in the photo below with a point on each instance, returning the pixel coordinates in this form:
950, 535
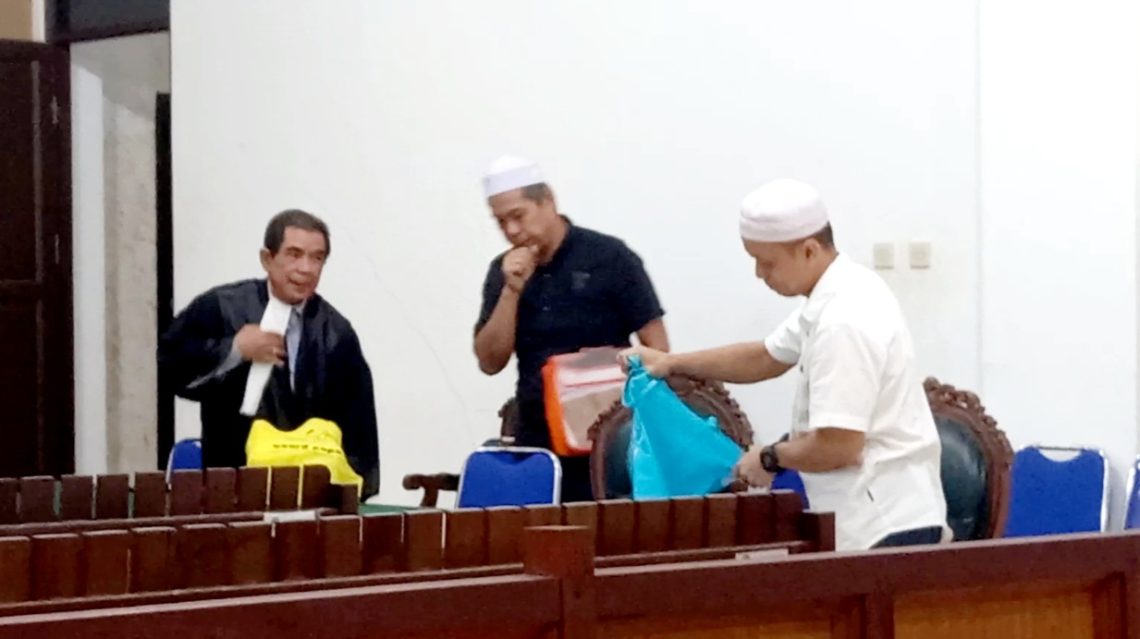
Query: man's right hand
656, 363
518, 266
256, 345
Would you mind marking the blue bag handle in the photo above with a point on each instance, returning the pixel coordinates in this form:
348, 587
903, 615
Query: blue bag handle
638, 382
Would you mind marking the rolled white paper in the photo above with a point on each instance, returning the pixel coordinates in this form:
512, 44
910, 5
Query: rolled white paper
274, 320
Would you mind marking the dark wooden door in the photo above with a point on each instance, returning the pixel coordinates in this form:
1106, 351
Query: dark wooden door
164, 245
36, 394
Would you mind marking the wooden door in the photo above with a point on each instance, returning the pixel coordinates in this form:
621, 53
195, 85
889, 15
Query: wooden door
36, 394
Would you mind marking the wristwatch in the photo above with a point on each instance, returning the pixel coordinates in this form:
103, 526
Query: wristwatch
769, 460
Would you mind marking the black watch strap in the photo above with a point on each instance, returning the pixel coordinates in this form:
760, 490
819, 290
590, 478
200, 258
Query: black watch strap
769, 459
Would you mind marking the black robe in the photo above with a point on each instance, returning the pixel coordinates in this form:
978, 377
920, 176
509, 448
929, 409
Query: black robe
332, 380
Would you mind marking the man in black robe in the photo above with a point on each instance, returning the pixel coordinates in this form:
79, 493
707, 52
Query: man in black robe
318, 366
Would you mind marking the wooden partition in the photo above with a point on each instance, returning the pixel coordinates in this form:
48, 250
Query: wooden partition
147, 565
1071, 587
39, 505
688, 527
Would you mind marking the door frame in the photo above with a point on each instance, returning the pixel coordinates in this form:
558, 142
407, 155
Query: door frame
55, 454
164, 253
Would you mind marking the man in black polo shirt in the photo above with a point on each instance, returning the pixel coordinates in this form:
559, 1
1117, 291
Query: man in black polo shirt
561, 288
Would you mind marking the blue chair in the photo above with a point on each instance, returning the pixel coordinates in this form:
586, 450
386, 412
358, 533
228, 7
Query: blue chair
509, 476
184, 455
1057, 490
791, 480
1132, 517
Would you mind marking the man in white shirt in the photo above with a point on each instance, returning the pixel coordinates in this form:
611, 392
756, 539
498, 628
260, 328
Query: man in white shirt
862, 437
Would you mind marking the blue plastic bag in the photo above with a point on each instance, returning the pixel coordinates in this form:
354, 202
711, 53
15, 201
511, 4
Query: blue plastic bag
673, 452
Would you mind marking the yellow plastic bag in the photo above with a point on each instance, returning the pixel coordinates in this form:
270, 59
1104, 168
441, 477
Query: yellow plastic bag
317, 442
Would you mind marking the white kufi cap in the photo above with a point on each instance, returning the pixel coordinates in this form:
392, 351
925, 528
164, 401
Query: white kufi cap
782, 211
508, 173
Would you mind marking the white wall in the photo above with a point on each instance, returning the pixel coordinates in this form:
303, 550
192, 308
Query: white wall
1058, 234
115, 82
652, 120
38, 23
89, 263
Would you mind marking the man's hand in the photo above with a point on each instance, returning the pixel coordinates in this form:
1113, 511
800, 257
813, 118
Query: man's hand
749, 469
256, 345
518, 266
655, 362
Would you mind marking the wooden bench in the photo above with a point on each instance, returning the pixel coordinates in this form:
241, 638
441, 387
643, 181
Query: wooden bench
56, 572
1069, 586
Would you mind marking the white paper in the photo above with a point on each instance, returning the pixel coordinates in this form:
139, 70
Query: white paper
275, 516
771, 553
274, 320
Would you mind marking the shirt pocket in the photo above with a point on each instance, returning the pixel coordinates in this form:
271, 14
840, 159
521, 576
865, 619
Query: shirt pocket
578, 297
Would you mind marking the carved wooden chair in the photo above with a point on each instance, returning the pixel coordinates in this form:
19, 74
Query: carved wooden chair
609, 472
976, 462
433, 484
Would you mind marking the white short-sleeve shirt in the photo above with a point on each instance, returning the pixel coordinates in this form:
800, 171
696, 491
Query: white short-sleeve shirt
857, 372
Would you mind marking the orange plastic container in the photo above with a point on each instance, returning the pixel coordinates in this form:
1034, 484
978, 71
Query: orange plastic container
577, 387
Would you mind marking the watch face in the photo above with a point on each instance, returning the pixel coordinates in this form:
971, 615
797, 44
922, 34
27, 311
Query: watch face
768, 460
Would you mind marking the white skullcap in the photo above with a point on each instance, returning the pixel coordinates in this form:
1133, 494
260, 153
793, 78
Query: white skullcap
782, 211
508, 173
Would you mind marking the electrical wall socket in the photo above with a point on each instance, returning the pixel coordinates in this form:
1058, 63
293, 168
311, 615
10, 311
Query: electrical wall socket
920, 254
884, 256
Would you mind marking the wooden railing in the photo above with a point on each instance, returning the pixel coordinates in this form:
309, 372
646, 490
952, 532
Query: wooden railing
75, 503
160, 564
1072, 587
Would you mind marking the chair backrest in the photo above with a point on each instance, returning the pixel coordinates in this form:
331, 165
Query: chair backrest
964, 479
509, 476
609, 459
1132, 517
788, 479
976, 462
509, 420
186, 454
1058, 490
1132, 513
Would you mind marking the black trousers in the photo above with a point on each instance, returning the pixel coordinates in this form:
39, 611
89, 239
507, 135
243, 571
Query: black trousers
534, 432
912, 537
576, 479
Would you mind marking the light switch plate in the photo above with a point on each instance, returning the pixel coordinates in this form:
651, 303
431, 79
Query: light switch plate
884, 255
920, 254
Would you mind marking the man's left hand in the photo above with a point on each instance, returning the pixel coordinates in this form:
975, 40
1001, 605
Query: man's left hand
749, 469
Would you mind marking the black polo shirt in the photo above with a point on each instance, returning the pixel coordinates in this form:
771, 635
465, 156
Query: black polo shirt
593, 292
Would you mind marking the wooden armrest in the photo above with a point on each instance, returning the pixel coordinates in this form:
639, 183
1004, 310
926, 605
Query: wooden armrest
431, 485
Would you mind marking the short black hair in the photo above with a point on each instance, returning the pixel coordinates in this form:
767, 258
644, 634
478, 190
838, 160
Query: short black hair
296, 218
538, 193
825, 236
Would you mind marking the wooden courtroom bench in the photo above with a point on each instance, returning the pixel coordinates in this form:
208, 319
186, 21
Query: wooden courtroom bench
46, 505
57, 572
1071, 587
